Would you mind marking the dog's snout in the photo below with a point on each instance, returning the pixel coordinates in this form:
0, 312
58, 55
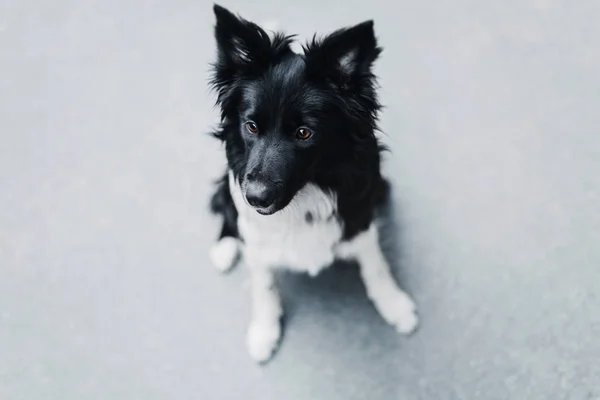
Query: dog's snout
260, 195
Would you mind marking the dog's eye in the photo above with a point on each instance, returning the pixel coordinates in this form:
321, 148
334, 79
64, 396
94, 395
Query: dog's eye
303, 133
252, 127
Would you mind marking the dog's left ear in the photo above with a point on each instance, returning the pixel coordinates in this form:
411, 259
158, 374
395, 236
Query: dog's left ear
344, 57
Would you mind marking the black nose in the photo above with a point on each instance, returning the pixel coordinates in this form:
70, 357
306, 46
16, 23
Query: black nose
259, 195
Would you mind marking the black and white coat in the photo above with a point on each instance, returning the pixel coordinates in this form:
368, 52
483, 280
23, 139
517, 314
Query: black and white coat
329, 188
306, 236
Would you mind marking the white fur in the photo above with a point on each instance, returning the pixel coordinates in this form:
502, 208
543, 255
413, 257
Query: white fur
265, 328
225, 253
392, 303
262, 339
287, 239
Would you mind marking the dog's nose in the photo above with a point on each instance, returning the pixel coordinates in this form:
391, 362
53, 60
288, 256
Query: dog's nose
259, 195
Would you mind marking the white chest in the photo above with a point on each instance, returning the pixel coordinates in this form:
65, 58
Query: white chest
301, 237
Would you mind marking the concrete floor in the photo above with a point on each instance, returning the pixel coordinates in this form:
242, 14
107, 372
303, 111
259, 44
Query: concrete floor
106, 291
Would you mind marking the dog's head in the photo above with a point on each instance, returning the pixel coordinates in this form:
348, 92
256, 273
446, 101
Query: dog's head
288, 117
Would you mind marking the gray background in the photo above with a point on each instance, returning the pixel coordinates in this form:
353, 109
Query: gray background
106, 291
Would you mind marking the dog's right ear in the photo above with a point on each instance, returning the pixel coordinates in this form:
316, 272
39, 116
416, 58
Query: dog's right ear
244, 49
240, 43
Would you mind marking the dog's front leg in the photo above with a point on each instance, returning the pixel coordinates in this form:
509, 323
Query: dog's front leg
264, 332
392, 303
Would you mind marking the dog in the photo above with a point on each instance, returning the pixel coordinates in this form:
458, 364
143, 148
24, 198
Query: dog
303, 181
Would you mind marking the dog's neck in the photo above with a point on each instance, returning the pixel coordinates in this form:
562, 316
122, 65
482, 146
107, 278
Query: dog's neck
309, 205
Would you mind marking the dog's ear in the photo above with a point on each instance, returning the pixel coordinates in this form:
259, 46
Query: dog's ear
240, 43
244, 50
344, 57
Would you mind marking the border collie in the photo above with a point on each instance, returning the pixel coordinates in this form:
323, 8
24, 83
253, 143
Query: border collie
303, 182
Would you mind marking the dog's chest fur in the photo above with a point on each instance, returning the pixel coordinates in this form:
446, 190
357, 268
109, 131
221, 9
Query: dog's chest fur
303, 236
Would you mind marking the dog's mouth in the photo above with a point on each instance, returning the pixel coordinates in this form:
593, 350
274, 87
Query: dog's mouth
266, 211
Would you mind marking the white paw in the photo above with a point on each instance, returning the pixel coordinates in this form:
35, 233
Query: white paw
225, 253
400, 311
262, 339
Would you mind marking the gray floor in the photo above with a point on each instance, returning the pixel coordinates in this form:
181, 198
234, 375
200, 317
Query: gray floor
106, 291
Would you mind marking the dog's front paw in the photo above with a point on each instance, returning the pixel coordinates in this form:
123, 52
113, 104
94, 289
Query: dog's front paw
263, 339
225, 253
400, 311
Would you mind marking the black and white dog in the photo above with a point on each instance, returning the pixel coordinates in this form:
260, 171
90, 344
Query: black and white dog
303, 181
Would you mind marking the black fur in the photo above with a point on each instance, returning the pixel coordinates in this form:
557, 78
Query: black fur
222, 203
329, 90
